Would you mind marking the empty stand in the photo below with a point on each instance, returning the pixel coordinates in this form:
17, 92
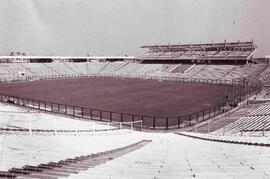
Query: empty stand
112, 67
213, 71
64, 168
32, 71
33, 148
248, 71
231, 139
95, 67
235, 51
256, 122
174, 156
147, 69
128, 69
222, 121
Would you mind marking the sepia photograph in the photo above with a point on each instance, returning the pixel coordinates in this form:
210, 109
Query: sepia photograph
135, 89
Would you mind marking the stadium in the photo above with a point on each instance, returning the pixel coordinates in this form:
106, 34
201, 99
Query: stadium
126, 113
134, 89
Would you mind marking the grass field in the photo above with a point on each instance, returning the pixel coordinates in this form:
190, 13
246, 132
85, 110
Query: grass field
144, 97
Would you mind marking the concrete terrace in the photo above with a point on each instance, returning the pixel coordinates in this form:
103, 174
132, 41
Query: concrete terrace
165, 155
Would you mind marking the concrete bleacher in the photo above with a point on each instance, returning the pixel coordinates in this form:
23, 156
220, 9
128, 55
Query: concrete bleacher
248, 71
112, 67
95, 67
222, 54
221, 121
232, 139
196, 54
64, 168
166, 156
76, 67
163, 70
12, 71
82, 67
218, 72
24, 71
167, 54
255, 122
32, 148
169, 67
30, 69
212, 71
177, 54
237, 54
157, 54
19, 150
38, 69
175, 156
128, 69
194, 71
63, 68
223, 72
248, 124
214, 51
55, 69
147, 69
4, 74
263, 110
181, 68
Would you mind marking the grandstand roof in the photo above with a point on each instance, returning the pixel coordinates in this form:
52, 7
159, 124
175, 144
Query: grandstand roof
230, 52
203, 47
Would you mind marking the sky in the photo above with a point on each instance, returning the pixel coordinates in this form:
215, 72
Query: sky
120, 27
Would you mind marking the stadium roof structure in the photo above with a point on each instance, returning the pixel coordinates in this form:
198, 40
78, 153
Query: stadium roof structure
209, 51
203, 47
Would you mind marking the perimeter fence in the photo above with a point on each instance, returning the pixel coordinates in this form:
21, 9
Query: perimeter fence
239, 93
17, 78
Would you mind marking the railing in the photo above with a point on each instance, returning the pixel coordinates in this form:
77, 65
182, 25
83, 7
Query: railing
150, 122
55, 130
160, 78
179, 79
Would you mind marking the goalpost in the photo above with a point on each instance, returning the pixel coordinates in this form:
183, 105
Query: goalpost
90, 128
132, 125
